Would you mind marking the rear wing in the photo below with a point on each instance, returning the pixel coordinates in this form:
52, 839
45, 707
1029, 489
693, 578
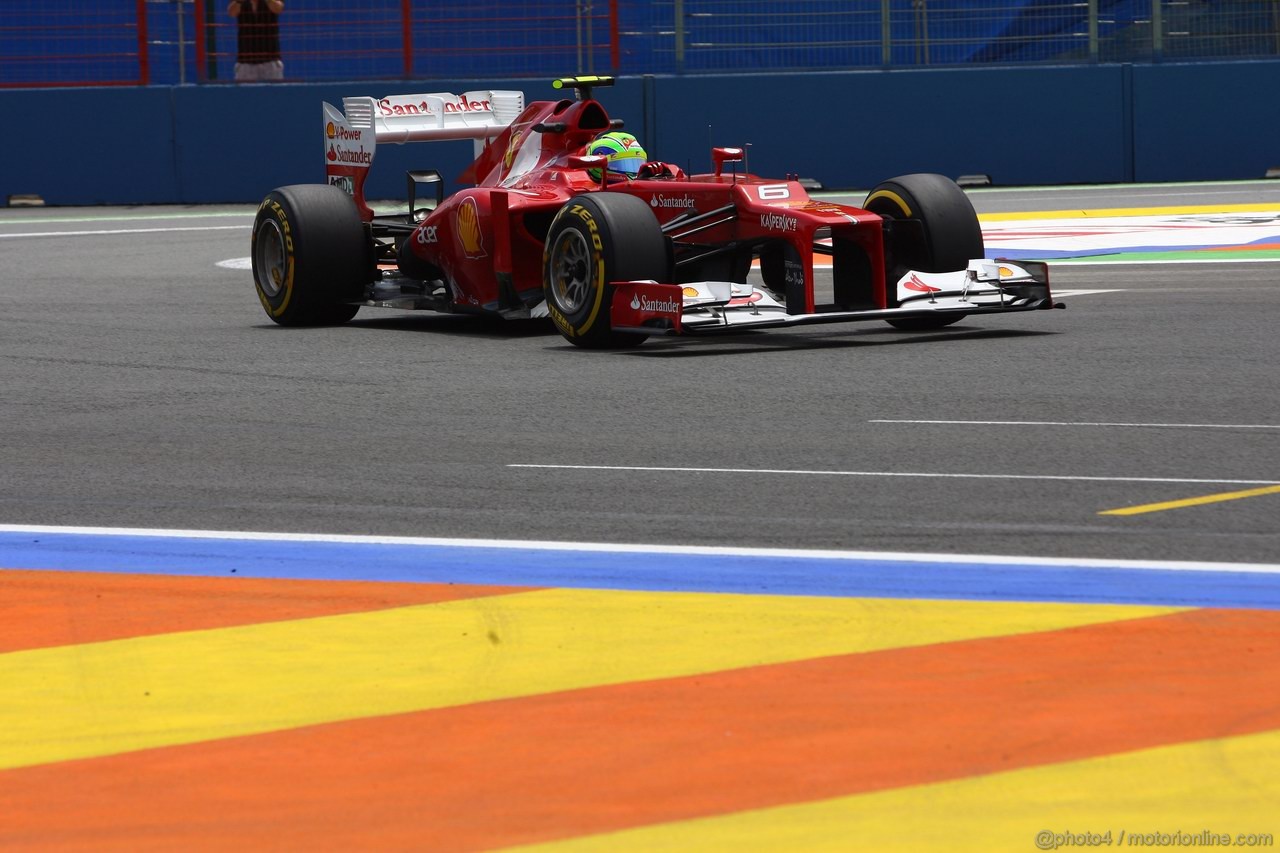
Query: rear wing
352, 135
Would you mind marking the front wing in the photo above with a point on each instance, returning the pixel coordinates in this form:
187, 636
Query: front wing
987, 286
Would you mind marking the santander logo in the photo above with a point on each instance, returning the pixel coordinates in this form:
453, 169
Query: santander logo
682, 202
360, 157
640, 302
403, 105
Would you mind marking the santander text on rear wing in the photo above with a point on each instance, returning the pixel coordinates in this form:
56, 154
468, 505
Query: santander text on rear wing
352, 135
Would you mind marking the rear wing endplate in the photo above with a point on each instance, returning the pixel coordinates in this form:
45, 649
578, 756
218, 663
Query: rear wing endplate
352, 135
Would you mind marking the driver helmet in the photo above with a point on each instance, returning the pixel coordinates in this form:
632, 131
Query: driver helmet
624, 152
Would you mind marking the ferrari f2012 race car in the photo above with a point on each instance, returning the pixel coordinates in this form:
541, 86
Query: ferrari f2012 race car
543, 231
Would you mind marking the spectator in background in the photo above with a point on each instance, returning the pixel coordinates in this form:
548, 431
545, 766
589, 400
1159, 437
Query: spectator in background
258, 39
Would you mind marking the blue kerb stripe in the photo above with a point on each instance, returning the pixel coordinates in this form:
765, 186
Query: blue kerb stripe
751, 574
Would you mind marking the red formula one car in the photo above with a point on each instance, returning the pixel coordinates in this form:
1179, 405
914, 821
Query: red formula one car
544, 231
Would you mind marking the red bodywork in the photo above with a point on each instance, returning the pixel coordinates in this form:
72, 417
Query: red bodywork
488, 240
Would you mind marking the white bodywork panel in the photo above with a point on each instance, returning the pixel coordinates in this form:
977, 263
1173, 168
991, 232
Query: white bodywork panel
353, 133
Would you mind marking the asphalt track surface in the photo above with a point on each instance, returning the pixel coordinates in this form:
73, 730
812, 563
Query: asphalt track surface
145, 388
425, 582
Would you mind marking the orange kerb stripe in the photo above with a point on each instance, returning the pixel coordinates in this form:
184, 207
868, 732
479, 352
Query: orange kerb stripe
592, 761
45, 608
1249, 247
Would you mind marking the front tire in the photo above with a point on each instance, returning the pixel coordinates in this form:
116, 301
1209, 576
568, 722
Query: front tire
952, 235
595, 240
311, 257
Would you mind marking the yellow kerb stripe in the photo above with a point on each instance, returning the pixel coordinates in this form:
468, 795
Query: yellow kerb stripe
1220, 786
124, 695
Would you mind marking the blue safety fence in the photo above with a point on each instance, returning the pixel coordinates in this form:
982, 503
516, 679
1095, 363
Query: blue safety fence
58, 43
63, 42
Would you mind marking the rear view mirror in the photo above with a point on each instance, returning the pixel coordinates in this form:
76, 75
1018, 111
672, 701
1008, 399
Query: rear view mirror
720, 156
422, 176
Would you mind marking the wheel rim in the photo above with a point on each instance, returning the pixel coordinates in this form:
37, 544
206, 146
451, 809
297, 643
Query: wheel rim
571, 271
269, 259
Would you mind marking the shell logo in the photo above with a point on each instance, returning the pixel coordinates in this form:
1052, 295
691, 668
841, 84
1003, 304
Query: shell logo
467, 225
690, 292
512, 146
329, 130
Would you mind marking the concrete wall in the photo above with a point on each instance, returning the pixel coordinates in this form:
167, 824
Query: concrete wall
1036, 125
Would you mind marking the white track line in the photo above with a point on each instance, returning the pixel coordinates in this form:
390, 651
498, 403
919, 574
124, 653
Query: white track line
1075, 423
123, 231
1070, 293
918, 474
129, 217
1087, 262
605, 548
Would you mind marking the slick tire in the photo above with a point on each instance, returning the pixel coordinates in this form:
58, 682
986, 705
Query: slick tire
595, 240
311, 257
952, 235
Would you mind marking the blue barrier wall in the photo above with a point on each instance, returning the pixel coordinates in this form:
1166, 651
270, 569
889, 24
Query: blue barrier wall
854, 129
1212, 121
90, 146
235, 143
1024, 126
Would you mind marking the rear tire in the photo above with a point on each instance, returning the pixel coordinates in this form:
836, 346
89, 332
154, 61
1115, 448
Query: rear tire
952, 234
595, 240
311, 257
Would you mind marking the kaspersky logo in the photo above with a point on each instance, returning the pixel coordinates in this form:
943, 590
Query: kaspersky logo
640, 302
778, 222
